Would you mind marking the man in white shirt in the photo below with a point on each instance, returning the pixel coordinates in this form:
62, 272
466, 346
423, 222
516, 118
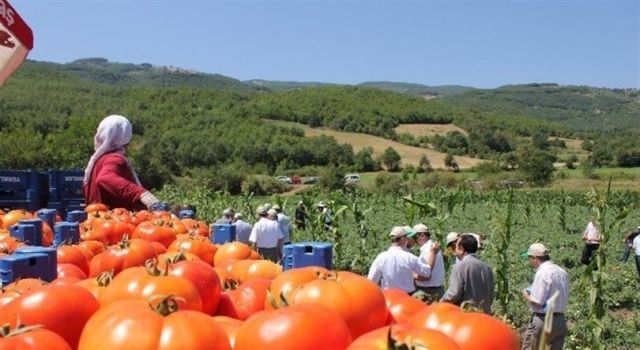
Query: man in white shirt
636, 246
266, 237
243, 228
433, 286
591, 237
394, 268
285, 224
549, 280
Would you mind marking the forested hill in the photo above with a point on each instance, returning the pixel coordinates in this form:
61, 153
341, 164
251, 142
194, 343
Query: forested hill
102, 71
418, 89
577, 107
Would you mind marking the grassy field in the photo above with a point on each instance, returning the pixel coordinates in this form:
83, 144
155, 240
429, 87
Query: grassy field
410, 155
418, 130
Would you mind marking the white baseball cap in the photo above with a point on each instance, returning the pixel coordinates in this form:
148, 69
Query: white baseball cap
537, 249
451, 237
397, 232
420, 228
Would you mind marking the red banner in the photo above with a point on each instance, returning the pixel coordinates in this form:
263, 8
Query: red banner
16, 40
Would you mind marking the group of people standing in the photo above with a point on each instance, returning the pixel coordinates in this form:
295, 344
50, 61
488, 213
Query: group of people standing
267, 235
471, 280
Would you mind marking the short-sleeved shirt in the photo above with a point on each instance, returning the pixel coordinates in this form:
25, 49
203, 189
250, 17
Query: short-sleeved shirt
243, 231
394, 268
592, 234
266, 233
550, 278
437, 271
285, 226
636, 245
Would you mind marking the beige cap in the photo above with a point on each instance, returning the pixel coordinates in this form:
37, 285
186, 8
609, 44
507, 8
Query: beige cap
237, 216
420, 228
451, 237
261, 210
277, 207
397, 232
228, 211
537, 249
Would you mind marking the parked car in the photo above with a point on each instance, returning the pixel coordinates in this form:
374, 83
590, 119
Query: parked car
284, 179
310, 180
351, 179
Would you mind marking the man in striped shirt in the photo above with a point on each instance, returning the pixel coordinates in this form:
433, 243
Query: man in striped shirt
549, 280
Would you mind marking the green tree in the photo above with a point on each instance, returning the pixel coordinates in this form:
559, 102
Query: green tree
450, 162
536, 165
391, 159
365, 161
425, 164
571, 162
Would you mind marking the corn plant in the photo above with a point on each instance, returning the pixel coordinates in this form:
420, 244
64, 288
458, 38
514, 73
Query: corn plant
502, 229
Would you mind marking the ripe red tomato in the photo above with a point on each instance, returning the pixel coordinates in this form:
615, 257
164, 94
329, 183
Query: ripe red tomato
156, 231
470, 330
69, 270
95, 207
128, 253
133, 324
230, 325
359, 301
200, 246
305, 326
145, 283
245, 300
19, 287
204, 278
400, 305
410, 337
75, 255
61, 309
35, 338
234, 251
97, 285
198, 228
244, 270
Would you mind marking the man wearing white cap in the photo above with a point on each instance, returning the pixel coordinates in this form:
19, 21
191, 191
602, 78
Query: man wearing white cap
471, 279
243, 228
285, 223
394, 268
227, 217
433, 286
549, 280
266, 236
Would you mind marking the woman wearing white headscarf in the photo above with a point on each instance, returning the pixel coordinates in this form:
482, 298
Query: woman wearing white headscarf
109, 177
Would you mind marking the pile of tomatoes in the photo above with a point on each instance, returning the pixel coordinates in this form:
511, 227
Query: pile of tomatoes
150, 281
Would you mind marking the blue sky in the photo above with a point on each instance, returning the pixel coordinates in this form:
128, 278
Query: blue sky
475, 43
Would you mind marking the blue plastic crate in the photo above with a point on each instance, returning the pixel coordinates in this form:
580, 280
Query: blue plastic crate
223, 233
308, 254
66, 185
64, 207
22, 185
49, 271
76, 216
47, 215
66, 232
18, 266
28, 231
187, 213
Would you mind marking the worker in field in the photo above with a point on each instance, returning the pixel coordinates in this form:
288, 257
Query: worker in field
591, 237
227, 217
471, 279
266, 236
395, 267
109, 177
327, 215
285, 223
301, 216
450, 245
628, 244
433, 287
636, 246
243, 228
550, 279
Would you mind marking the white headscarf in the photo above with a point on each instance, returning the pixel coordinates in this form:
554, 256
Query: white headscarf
114, 132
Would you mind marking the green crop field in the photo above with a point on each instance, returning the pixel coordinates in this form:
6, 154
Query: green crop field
604, 303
